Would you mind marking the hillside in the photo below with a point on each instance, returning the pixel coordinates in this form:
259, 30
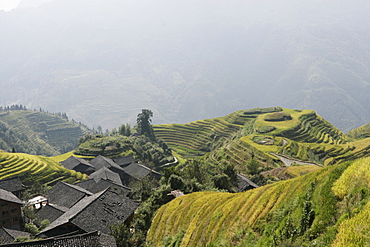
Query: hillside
329, 207
265, 135
152, 154
102, 61
32, 169
361, 132
38, 132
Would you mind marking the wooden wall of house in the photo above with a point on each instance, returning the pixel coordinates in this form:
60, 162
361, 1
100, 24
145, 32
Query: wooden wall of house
10, 215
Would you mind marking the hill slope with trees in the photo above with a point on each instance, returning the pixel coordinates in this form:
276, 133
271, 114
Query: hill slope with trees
38, 132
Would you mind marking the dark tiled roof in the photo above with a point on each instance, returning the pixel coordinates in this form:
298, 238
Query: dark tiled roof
86, 184
9, 235
9, 196
91, 239
50, 212
101, 161
96, 212
124, 161
66, 195
74, 163
12, 184
139, 171
245, 183
105, 173
103, 184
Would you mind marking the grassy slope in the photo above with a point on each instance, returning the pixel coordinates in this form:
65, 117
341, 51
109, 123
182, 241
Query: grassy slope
45, 133
32, 168
360, 132
271, 214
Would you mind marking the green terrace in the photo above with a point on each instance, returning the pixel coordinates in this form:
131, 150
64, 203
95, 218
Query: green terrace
196, 138
33, 169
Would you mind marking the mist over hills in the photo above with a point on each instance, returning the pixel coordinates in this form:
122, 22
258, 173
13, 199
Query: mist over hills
101, 62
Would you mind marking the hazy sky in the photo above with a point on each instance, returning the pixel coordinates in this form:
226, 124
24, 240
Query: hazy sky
8, 4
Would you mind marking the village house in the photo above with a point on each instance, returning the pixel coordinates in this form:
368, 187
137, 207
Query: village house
78, 165
93, 213
139, 171
107, 174
101, 161
50, 212
124, 161
245, 183
10, 210
66, 195
95, 187
13, 185
90, 239
9, 235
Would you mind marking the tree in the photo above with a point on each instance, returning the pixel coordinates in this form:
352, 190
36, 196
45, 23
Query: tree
121, 233
122, 130
253, 166
128, 130
144, 126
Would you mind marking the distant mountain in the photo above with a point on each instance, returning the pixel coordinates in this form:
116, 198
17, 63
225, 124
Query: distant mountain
101, 62
38, 132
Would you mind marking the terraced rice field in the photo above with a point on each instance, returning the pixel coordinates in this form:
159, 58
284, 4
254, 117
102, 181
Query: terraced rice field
31, 168
314, 129
238, 153
216, 219
196, 138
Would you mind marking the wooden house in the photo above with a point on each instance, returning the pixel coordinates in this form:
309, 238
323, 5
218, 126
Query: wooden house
10, 210
101, 161
66, 195
93, 213
245, 183
90, 239
139, 171
125, 161
13, 185
78, 165
9, 235
97, 186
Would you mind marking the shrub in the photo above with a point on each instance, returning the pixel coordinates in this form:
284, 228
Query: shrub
21, 239
31, 228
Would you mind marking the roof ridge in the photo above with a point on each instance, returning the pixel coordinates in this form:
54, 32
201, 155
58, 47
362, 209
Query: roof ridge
113, 182
76, 187
9, 196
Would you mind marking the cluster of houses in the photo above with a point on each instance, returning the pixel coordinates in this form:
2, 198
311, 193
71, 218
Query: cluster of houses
80, 214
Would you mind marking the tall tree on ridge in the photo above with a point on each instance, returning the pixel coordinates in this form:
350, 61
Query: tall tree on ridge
144, 124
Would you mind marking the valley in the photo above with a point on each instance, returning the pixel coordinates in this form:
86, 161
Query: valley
296, 166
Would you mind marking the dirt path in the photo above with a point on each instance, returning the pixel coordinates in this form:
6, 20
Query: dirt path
289, 161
